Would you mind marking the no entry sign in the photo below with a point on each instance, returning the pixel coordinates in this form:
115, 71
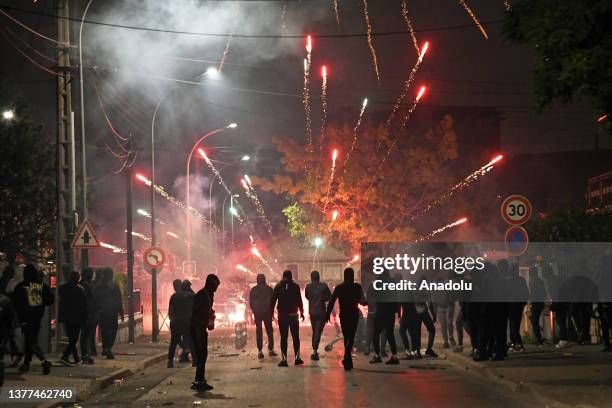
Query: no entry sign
516, 210
516, 240
154, 257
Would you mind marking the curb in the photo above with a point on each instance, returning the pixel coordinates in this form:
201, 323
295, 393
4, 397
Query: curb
103, 382
491, 374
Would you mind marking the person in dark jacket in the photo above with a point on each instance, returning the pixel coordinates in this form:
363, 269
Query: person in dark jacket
110, 304
73, 314
179, 313
88, 332
95, 321
260, 297
203, 319
537, 297
7, 275
287, 294
31, 296
520, 293
8, 324
318, 294
384, 321
349, 295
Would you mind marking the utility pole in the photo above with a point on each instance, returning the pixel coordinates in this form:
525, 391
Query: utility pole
130, 252
64, 168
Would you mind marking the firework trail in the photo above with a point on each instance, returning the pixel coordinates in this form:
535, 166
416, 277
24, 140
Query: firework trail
250, 192
323, 104
141, 236
114, 248
244, 269
225, 53
263, 260
441, 229
162, 192
364, 104
332, 174
283, 15
414, 105
409, 26
366, 16
336, 11
476, 21
460, 185
306, 91
407, 85
333, 220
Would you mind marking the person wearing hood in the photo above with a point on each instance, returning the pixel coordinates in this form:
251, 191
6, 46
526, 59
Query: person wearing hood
72, 313
111, 307
184, 357
203, 319
31, 296
287, 294
349, 294
384, 321
318, 294
260, 297
179, 313
88, 332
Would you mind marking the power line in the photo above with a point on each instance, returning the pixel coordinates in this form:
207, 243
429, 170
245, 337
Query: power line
26, 56
13, 19
270, 36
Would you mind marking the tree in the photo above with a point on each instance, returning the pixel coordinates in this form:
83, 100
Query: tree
572, 40
375, 192
27, 185
571, 225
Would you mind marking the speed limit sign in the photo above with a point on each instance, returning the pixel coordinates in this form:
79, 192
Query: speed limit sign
516, 210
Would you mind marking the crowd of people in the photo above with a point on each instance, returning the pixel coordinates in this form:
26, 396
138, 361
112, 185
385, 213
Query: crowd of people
86, 302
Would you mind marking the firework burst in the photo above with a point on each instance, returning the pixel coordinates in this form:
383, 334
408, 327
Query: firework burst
364, 104
306, 91
441, 229
366, 17
250, 192
323, 103
474, 18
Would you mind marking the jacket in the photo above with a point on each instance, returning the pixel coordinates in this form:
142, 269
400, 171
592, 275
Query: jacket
287, 294
318, 294
108, 297
30, 300
180, 307
72, 303
202, 310
260, 298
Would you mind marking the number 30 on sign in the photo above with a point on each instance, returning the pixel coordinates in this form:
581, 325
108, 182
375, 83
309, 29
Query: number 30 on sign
516, 210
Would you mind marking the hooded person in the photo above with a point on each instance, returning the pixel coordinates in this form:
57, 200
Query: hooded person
88, 332
384, 321
318, 294
72, 314
202, 320
179, 313
31, 296
110, 304
287, 294
349, 294
260, 297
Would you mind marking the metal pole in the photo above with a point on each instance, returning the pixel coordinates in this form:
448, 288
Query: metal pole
130, 254
232, 205
84, 252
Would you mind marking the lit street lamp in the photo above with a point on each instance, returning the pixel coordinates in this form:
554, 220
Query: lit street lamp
8, 114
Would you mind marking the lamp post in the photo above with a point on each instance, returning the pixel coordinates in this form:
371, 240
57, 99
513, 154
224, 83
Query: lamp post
187, 187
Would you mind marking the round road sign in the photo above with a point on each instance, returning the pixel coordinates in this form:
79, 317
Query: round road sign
154, 257
516, 240
516, 210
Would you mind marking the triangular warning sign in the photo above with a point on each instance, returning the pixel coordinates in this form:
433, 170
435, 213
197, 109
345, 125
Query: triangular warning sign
85, 237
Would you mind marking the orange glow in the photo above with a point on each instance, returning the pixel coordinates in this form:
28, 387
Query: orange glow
495, 160
602, 118
143, 179
421, 93
202, 153
334, 215
244, 184
424, 49
460, 221
335, 154
324, 71
309, 44
256, 252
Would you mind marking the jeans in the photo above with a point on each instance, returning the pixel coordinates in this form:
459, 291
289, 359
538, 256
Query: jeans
515, 317
30, 339
447, 318
179, 334
286, 323
349, 327
384, 322
561, 309
536, 312
88, 337
200, 351
267, 322
72, 331
317, 323
423, 318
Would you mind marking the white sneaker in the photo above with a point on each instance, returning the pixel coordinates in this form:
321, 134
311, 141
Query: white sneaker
562, 344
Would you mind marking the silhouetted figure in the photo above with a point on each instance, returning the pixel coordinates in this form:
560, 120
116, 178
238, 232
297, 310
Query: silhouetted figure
179, 313
8, 324
349, 295
425, 316
318, 294
8, 275
73, 314
202, 320
537, 295
260, 298
88, 332
385, 321
287, 294
31, 296
110, 304
520, 295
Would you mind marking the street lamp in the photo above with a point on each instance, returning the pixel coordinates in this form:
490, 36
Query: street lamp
187, 193
8, 114
318, 242
246, 157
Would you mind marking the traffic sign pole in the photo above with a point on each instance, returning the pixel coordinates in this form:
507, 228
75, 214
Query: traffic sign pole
154, 257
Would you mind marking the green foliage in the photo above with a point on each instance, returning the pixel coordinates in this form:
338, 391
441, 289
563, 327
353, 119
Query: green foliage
121, 281
27, 185
572, 40
571, 226
295, 220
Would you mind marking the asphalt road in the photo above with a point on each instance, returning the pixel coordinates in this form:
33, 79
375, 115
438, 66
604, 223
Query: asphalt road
240, 380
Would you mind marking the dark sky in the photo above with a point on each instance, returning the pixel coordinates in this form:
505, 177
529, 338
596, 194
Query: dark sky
462, 69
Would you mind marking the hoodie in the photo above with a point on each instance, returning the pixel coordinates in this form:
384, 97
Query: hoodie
72, 303
349, 295
260, 297
318, 294
31, 296
289, 298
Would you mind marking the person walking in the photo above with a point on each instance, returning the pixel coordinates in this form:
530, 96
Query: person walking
72, 314
520, 293
7, 279
349, 295
88, 332
318, 294
537, 297
287, 294
202, 320
31, 296
260, 298
8, 324
179, 313
384, 321
110, 303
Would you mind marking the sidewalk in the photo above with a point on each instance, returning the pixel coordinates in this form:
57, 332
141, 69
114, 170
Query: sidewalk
85, 380
574, 376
